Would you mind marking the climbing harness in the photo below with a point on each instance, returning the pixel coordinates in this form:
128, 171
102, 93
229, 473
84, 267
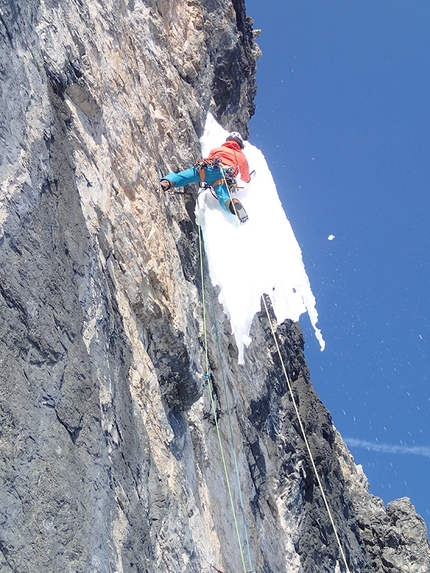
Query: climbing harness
228, 176
228, 179
302, 429
208, 377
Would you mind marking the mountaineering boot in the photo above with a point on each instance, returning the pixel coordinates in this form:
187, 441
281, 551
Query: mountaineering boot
236, 208
166, 186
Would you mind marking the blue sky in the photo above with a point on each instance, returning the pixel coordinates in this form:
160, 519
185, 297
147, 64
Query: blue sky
342, 117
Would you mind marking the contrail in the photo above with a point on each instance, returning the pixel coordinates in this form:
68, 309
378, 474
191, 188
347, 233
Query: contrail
388, 448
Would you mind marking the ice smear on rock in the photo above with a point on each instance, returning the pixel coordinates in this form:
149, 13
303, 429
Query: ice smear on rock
260, 256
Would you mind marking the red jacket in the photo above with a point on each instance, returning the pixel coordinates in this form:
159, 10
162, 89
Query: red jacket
231, 154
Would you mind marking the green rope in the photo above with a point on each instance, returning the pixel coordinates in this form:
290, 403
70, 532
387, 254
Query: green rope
207, 376
242, 506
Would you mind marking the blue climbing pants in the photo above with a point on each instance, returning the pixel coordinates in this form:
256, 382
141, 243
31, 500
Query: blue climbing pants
192, 175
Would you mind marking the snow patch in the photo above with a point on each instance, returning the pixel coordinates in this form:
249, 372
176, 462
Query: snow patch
260, 256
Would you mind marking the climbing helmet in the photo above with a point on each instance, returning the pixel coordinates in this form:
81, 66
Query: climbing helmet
235, 136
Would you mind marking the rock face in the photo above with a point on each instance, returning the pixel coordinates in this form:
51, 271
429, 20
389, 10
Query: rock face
109, 455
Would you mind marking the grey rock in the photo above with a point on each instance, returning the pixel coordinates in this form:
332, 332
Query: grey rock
109, 453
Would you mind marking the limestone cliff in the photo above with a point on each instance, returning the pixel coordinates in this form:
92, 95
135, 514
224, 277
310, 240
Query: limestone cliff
109, 459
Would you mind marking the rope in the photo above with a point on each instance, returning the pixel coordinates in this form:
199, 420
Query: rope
208, 378
229, 192
242, 506
213, 405
290, 389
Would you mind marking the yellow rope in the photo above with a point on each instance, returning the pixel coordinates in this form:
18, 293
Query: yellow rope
290, 389
207, 376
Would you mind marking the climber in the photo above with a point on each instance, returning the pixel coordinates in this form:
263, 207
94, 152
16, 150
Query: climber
219, 171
